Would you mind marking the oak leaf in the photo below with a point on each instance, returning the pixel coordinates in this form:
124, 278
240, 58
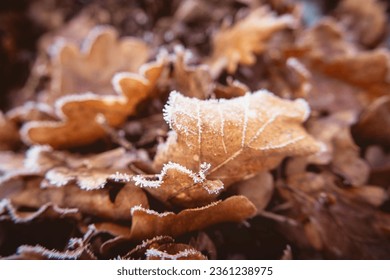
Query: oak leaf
80, 114
238, 138
239, 43
148, 223
91, 67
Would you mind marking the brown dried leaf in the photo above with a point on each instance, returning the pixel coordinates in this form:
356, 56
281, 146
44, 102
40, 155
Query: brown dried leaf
373, 126
192, 81
203, 243
238, 138
31, 111
48, 211
36, 161
379, 162
80, 114
365, 20
258, 190
94, 202
238, 44
61, 168
92, 172
91, 67
233, 88
335, 221
9, 135
177, 185
76, 249
148, 223
37, 252
341, 152
19, 227
139, 251
342, 76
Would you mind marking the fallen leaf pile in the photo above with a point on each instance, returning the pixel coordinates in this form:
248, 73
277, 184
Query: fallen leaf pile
163, 131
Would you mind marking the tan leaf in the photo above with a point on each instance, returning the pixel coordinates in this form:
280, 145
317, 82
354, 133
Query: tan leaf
177, 185
91, 67
233, 88
341, 151
192, 81
148, 223
258, 190
238, 137
239, 43
79, 114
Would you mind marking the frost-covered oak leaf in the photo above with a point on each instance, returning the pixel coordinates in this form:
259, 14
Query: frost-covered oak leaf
80, 115
238, 138
92, 66
148, 223
240, 43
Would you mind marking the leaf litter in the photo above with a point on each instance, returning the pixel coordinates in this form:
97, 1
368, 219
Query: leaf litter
257, 131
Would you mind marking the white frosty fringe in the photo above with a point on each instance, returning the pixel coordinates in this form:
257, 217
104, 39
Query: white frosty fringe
33, 154
168, 108
166, 256
298, 66
58, 180
120, 177
30, 105
94, 34
149, 211
108, 99
51, 254
126, 75
199, 177
155, 213
5, 205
